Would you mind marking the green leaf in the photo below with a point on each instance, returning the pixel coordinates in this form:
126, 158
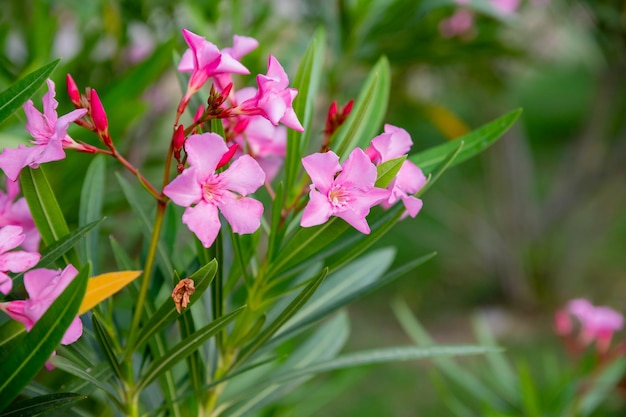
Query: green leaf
90, 209
95, 377
167, 313
106, 346
276, 232
348, 284
456, 373
528, 391
45, 210
19, 92
56, 250
368, 112
474, 143
23, 363
184, 348
387, 171
12, 332
443, 166
43, 404
602, 387
375, 356
282, 318
306, 81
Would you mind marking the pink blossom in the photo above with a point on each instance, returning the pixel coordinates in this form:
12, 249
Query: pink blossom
203, 59
16, 261
394, 143
265, 142
242, 45
460, 23
203, 191
349, 195
505, 6
49, 133
17, 213
43, 287
598, 323
273, 100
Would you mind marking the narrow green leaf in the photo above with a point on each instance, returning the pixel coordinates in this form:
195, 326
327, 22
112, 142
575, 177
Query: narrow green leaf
463, 378
38, 405
602, 387
106, 346
57, 249
90, 208
368, 112
307, 242
387, 171
474, 143
528, 391
276, 232
184, 348
97, 378
12, 332
23, 363
195, 367
282, 318
19, 92
167, 313
306, 81
395, 354
442, 168
45, 210
217, 127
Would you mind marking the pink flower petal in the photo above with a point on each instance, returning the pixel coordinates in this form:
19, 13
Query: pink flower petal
50, 104
18, 261
413, 205
322, 168
394, 143
13, 160
15, 310
244, 176
355, 220
204, 152
317, 211
242, 213
358, 171
185, 189
203, 220
10, 237
38, 127
73, 332
6, 283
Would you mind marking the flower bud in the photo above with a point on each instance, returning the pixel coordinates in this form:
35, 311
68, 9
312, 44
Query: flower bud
98, 114
227, 156
72, 91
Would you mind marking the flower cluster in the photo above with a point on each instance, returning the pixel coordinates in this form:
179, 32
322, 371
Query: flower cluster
596, 324
42, 285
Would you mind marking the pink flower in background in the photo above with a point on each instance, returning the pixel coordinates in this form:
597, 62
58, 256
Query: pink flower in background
349, 195
273, 99
505, 6
203, 59
43, 287
266, 143
394, 143
17, 213
459, 24
204, 192
597, 323
49, 133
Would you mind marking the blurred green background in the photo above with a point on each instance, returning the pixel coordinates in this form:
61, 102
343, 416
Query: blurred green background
536, 220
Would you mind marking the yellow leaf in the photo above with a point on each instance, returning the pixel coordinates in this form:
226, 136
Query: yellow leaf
105, 285
446, 122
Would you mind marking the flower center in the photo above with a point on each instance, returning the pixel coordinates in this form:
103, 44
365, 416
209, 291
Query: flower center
211, 190
338, 196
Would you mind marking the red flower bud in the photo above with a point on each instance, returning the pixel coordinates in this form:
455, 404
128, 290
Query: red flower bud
227, 156
179, 138
98, 114
72, 91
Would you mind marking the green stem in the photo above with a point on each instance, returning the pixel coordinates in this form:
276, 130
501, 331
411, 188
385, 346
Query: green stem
147, 275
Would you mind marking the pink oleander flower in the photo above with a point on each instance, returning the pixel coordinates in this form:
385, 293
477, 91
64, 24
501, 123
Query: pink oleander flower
348, 195
16, 213
273, 99
394, 143
461, 23
16, 261
505, 7
204, 60
50, 136
266, 143
43, 287
598, 323
242, 45
204, 192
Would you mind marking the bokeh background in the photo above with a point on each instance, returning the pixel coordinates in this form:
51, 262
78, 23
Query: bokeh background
538, 219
